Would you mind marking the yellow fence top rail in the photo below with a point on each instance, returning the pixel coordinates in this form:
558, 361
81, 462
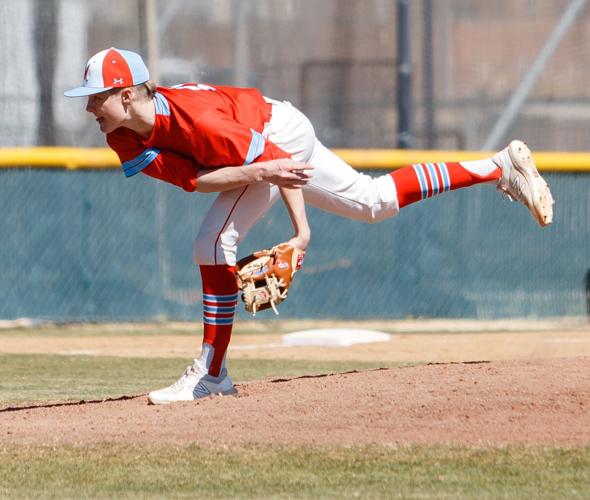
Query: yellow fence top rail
51, 157
104, 158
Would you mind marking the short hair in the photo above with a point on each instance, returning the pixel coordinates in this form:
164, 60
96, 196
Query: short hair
147, 89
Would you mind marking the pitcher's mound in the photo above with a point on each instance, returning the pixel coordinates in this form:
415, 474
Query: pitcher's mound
487, 403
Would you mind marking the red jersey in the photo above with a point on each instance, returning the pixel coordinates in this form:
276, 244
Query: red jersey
197, 126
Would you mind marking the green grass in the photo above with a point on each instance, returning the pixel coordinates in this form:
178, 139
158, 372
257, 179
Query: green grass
40, 377
110, 471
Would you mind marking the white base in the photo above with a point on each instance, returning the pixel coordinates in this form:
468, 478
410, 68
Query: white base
335, 337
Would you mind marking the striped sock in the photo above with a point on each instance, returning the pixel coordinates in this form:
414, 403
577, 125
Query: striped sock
424, 180
220, 296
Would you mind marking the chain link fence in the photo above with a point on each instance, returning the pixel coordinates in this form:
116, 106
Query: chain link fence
93, 246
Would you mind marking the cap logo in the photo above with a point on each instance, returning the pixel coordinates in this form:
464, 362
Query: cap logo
86, 72
116, 69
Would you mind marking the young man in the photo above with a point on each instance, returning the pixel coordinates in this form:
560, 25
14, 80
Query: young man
251, 149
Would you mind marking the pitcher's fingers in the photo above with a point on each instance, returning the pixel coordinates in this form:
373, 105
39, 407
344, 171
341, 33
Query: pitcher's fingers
305, 168
303, 174
303, 177
296, 166
297, 184
292, 183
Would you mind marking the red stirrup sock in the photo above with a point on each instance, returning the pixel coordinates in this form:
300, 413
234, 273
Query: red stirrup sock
424, 180
220, 296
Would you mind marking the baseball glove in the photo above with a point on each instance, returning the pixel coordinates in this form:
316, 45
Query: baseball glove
264, 277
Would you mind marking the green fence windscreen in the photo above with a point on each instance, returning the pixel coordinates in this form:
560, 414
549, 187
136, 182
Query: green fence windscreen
95, 246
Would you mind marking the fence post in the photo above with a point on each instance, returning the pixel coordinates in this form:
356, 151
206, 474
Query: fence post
404, 75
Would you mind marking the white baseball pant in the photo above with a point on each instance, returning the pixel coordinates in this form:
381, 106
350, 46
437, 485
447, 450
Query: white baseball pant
335, 187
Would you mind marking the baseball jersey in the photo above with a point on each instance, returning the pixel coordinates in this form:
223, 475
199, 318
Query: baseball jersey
197, 126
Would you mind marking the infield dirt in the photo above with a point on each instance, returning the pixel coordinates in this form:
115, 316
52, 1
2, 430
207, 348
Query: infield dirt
484, 400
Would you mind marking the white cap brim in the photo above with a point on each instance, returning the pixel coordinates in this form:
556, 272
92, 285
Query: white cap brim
85, 91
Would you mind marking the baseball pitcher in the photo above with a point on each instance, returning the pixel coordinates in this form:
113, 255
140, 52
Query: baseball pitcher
253, 149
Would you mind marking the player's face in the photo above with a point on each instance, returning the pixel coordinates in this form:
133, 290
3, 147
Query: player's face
108, 110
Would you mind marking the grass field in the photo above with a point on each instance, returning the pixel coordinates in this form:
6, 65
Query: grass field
294, 472
254, 471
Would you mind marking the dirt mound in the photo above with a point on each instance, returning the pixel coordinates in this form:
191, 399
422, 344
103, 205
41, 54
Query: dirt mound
484, 403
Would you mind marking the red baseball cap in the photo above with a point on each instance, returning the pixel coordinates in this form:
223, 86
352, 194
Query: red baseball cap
111, 68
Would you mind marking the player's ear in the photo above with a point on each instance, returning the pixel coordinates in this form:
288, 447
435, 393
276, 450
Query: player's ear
127, 95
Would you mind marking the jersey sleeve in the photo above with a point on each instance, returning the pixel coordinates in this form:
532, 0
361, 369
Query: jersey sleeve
225, 142
160, 164
175, 169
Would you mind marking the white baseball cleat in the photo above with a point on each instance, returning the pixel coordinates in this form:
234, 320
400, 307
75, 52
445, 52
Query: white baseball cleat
195, 383
522, 182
